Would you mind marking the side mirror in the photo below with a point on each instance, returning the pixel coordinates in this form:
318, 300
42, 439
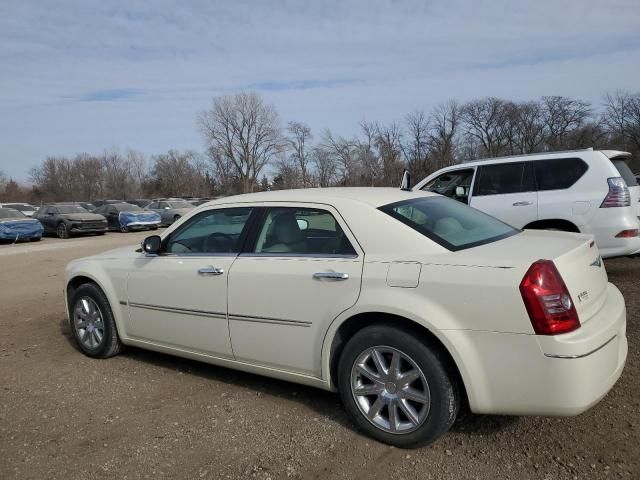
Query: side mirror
152, 244
460, 192
405, 184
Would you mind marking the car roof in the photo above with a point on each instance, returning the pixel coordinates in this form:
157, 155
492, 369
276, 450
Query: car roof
611, 154
373, 196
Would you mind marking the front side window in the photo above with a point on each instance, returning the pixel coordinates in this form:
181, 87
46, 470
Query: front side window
302, 231
503, 178
455, 184
212, 232
179, 204
152, 206
451, 224
559, 173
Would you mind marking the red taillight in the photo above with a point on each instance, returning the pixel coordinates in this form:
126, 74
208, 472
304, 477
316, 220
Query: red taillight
547, 300
628, 233
618, 195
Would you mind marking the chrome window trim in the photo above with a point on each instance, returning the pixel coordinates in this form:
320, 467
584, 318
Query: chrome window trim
297, 255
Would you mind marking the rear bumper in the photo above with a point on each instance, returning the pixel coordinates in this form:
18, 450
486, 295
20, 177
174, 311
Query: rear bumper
142, 225
521, 374
20, 236
605, 228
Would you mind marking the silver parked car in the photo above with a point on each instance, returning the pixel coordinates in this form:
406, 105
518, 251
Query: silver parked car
170, 210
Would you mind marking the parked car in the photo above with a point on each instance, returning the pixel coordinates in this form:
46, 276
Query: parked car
15, 226
199, 201
141, 202
65, 220
583, 191
407, 303
26, 208
125, 217
99, 203
170, 210
89, 207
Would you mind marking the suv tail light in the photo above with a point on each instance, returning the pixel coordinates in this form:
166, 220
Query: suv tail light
628, 233
547, 300
618, 195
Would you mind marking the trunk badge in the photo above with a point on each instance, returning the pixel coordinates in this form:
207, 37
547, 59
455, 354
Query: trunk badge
597, 262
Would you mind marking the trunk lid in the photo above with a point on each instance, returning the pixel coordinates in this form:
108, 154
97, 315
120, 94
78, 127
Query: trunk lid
576, 257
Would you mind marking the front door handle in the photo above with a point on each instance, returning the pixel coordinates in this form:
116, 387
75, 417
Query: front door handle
210, 271
331, 276
522, 204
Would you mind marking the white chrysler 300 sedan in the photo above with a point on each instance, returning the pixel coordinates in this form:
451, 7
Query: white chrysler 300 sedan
408, 303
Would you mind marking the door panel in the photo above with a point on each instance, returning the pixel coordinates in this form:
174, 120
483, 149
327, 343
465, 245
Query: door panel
507, 191
302, 273
278, 311
171, 303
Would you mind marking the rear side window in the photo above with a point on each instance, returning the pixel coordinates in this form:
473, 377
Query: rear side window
505, 178
625, 172
559, 173
451, 224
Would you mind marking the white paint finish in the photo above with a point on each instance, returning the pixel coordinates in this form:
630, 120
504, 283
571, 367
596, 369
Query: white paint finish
468, 299
284, 289
173, 281
403, 274
578, 204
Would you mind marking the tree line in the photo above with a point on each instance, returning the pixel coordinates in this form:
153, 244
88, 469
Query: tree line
247, 149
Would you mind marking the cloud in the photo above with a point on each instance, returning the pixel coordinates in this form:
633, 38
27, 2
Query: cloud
87, 75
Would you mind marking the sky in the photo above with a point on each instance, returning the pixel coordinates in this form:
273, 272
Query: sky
84, 76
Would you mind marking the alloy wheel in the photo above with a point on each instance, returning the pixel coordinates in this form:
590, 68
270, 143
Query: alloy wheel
89, 323
62, 230
390, 389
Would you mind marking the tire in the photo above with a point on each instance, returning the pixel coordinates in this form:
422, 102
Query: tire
124, 228
154, 227
93, 344
35, 239
99, 234
176, 218
62, 231
435, 399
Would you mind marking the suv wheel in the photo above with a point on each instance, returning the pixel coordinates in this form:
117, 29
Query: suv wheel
396, 388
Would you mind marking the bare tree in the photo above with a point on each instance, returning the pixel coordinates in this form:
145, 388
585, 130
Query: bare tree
244, 130
389, 146
562, 115
621, 117
325, 166
416, 147
345, 153
484, 122
299, 134
444, 124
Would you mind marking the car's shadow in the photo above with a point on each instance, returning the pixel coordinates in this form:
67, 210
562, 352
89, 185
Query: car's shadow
325, 403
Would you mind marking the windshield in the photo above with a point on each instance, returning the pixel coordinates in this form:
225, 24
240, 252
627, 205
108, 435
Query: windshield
451, 224
126, 207
180, 204
64, 209
10, 213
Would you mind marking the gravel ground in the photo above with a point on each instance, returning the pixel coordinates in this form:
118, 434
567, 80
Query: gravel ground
148, 415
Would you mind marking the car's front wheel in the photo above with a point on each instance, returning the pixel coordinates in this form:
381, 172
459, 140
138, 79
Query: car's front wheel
92, 322
396, 387
124, 228
62, 231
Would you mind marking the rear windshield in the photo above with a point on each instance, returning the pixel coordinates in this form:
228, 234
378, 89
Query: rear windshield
625, 172
127, 207
449, 223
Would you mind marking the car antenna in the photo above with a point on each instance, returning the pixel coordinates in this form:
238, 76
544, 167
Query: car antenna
405, 184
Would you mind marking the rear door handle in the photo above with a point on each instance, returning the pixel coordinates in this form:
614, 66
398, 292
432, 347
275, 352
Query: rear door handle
331, 276
522, 204
210, 271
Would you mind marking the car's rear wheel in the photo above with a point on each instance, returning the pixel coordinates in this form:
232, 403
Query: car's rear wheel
397, 388
62, 231
124, 228
92, 322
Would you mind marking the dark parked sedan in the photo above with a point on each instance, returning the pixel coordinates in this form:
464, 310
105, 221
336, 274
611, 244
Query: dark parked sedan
66, 220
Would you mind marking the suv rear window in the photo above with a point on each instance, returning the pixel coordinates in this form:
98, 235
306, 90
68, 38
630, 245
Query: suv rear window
504, 178
625, 172
449, 223
558, 174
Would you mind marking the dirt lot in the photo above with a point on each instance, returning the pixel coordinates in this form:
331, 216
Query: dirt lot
148, 415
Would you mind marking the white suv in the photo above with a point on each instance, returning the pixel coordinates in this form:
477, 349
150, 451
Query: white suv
588, 191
